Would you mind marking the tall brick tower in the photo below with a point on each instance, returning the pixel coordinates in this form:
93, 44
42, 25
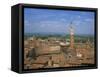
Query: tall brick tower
71, 36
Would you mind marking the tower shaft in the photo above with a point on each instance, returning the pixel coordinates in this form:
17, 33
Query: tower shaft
72, 41
71, 38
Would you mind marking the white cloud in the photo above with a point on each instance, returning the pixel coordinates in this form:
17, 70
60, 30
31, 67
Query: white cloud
27, 23
79, 16
63, 20
88, 20
77, 22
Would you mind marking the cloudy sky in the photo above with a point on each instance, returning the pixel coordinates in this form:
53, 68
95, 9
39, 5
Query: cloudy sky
57, 21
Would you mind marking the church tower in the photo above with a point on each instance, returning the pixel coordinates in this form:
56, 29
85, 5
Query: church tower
71, 29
